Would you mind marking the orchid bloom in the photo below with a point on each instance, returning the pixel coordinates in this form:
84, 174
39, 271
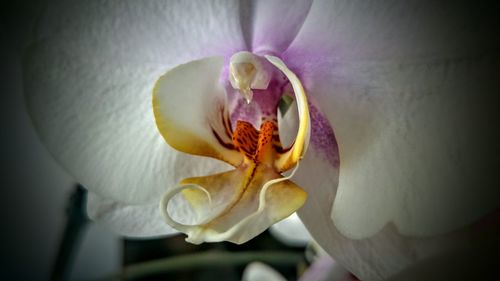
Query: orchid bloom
387, 132
247, 200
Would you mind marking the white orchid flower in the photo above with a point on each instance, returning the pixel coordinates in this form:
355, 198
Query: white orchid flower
408, 89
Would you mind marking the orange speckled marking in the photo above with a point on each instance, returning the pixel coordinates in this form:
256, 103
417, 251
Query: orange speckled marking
257, 146
245, 138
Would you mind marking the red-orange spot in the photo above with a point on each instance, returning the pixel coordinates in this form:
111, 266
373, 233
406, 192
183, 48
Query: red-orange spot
258, 146
245, 138
265, 150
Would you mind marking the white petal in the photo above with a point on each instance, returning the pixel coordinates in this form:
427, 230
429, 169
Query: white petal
374, 258
258, 271
97, 121
291, 231
411, 122
418, 206
128, 220
272, 25
160, 32
415, 146
347, 30
89, 91
339, 90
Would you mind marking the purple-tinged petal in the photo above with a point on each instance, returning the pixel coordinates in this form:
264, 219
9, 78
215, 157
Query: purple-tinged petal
415, 147
408, 89
270, 26
323, 138
377, 257
410, 95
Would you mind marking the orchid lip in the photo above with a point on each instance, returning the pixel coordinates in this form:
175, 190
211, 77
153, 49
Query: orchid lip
192, 114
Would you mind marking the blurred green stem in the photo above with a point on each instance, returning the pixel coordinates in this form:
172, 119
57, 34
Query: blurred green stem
76, 221
206, 259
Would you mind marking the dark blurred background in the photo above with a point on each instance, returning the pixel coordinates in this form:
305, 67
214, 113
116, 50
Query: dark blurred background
34, 189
